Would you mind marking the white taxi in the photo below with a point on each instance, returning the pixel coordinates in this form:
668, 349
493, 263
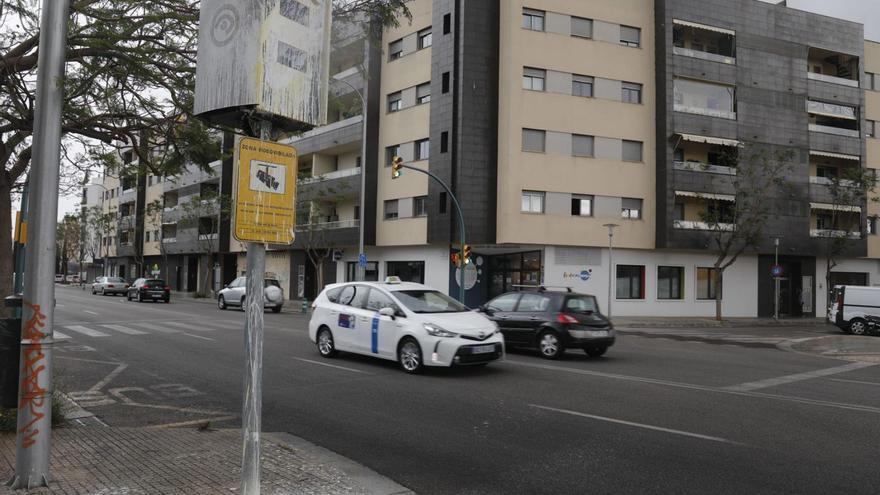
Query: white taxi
410, 323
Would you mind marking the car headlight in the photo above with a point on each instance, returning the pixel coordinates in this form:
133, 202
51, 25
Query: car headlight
438, 331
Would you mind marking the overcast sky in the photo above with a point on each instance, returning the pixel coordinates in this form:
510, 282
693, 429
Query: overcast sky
865, 11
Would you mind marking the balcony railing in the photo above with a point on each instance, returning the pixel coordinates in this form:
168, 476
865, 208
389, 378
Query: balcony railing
711, 112
835, 233
206, 237
703, 167
337, 174
341, 224
169, 240
698, 225
825, 181
712, 57
837, 131
832, 79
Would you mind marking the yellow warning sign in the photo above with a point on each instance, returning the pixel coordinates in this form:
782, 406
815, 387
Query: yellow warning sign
265, 192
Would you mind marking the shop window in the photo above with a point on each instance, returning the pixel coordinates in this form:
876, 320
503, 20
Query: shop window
670, 282
706, 286
630, 281
371, 271
408, 271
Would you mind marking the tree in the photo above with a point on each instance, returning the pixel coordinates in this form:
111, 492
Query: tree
68, 237
738, 226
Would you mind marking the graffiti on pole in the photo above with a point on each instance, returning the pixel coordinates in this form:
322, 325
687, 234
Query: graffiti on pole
32, 395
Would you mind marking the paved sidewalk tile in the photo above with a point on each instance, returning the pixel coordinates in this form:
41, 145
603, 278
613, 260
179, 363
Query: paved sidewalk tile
147, 461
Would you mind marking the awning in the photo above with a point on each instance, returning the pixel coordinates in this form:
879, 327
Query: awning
836, 155
704, 27
703, 195
709, 140
826, 206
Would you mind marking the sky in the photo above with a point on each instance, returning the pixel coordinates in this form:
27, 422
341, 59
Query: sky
865, 11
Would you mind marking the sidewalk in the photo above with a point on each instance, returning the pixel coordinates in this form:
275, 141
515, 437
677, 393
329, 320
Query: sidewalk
99, 460
709, 322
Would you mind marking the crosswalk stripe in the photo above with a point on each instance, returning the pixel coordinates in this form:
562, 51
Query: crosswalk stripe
189, 326
157, 328
60, 336
125, 330
86, 331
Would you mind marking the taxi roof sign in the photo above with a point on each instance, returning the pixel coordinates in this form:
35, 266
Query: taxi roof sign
265, 192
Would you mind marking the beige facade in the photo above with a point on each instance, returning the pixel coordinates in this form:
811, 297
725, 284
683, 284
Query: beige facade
872, 112
555, 171
152, 218
111, 192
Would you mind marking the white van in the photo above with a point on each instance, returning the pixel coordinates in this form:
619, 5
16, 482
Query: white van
850, 304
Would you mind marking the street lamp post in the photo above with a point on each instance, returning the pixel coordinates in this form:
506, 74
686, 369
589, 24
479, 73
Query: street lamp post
360, 269
776, 278
611, 227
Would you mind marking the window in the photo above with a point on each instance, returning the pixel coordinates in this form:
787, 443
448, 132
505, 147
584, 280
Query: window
425, 38
872, 81
533, 303
670, 282
293, 57
631, 92
423, 93
147, 236
504, 303
824, 221
533, 202
295, 11
704, 98
357, 212
371, 274
420, 206
533, 19
207, 227
581, 206
408, 271
630, 281
423, 149
533, 140
632, 151
395, 50
390, 153
630, 36
444, 142
582, 86
377, 300
447, 23
871, 228
582, 145
390, 209
395, 102
706, 286
442, 203
631, 208
582, 28
156, 235
534, 78
871, 128
444, 83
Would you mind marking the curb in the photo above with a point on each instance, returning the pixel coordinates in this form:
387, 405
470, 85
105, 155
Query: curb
698, 338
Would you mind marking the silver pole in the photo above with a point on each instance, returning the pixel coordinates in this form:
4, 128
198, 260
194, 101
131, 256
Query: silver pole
776, 279
34, 432
360, 272
610, 227
253, 342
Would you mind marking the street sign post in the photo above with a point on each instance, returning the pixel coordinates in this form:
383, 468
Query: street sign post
362, 260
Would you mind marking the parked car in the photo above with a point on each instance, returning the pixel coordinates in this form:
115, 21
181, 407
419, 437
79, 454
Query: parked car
851, 305
109, 285
149, 289
410, 323
59, 278
551, 321
234, 294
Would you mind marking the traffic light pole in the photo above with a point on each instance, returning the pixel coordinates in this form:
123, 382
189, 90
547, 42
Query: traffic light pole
34, 428
461, 290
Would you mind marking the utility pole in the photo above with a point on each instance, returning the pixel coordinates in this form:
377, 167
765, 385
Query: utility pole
776, 278
34, 429
611, 227
253, 380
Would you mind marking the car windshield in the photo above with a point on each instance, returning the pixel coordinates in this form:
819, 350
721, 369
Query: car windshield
429, 301
115, 279
582, 304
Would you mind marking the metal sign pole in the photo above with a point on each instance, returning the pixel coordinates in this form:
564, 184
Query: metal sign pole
34, 433
253, 381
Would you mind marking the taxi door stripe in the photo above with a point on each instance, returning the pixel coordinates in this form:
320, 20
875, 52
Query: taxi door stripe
374, 343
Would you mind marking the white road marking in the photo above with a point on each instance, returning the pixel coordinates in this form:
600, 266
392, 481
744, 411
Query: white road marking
197, 336
124, 329
150, 326
637, 425
189, 326
855, 381
107, 379
332, 366
195, 422
86, 331
797, 377
60, 336
90, 312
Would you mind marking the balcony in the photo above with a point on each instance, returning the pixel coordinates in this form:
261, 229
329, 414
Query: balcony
699, 225
715, 44
832, 79
837, 131
831, 118
832, 233
833, 67
169, 240
337, 184
704, 98
338, 174
694, 166
337, 233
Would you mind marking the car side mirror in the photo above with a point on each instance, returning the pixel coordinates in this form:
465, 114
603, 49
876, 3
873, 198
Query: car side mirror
485, 309
388, 312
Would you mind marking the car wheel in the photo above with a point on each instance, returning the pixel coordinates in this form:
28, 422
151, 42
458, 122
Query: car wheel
221, 302
167, 300
857, 326
103, 292
550, 345
241, 303
595, 352
93, 291
325, 343
409, 355
276, 309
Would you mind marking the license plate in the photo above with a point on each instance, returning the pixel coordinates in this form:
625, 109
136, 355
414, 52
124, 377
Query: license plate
483, 349
158, 296
597, 333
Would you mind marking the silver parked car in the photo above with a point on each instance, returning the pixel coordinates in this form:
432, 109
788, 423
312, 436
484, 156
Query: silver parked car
110, 285
234, 293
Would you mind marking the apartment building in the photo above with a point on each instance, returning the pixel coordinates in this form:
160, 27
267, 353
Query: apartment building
550, 119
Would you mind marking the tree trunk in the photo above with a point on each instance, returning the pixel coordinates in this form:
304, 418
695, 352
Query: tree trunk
319, 275
7, 261
716, 277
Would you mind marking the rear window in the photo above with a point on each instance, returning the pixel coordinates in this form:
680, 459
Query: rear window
271, 282
154, 281
582, 304
115, 279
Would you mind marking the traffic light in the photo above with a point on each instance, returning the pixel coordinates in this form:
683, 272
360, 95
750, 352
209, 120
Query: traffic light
467, 254
456, 259
396, 167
